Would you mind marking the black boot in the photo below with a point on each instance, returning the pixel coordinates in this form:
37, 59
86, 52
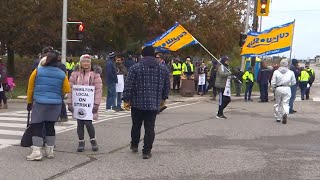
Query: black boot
81, 146
94, 144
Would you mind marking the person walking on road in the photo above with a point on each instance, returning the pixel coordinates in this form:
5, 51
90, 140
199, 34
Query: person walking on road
221, 80
296, 70
311, 80
303, 82
111, 81
249, 79
46, 86
281, 81
146, 86
86, 77
263, 81
3, 84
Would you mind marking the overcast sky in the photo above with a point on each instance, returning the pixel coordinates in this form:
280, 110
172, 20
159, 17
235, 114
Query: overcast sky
306, 41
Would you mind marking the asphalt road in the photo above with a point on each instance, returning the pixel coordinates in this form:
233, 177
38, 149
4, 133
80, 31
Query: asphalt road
190, 144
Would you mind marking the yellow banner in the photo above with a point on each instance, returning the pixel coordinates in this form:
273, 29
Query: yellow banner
174, 39
272, 41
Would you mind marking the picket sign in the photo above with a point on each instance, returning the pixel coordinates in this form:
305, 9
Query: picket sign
227, 90
83, 102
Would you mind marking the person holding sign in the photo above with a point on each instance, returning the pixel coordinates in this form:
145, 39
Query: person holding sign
46, 87
121, 75
221, 84
147, 85
85, 99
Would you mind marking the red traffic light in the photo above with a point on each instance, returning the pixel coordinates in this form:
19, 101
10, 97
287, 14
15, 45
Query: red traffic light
81, 28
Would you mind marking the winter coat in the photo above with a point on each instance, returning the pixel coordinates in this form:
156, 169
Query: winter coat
222, 76
87, 78
147, 84
264, 76
111, 72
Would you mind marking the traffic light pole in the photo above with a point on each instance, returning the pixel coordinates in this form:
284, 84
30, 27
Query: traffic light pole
246, 28
64, 32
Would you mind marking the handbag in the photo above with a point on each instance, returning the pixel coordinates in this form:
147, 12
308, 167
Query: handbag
26, 140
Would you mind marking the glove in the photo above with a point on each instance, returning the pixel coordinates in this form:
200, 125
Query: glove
95, 108
29, 106
127, 106
70, 107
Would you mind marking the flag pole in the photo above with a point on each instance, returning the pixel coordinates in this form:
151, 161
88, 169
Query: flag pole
294, 25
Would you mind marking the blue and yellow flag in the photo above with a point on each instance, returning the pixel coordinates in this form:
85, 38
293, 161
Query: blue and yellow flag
172, 40
271, 41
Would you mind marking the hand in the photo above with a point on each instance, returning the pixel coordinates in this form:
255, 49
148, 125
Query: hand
70, 107
29, 106
127, 106
95, 109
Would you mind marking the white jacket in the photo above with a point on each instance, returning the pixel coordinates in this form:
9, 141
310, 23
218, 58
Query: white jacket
283, 77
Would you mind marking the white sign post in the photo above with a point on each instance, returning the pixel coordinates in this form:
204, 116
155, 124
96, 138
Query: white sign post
83, 102
227, 89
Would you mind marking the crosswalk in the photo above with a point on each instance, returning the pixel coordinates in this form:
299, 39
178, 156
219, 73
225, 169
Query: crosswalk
13, 124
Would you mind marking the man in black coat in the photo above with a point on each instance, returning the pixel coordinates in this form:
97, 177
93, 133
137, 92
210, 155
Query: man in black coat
146, 86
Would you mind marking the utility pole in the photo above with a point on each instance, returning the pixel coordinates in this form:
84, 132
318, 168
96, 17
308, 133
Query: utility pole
246, 27
64, 32
255, 27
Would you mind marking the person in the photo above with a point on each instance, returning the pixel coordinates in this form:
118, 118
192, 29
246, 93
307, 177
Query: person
44, 98
202, 78
86, 77
160, 58
70, 64
238, 74
303, 82
3, 84
263, 81
296, 70
176, 72
249, 79
44, 53
121, 70
129, 62
111, 81
147, 84
281, 81
196, 78
188, 68
311, 80
221, 79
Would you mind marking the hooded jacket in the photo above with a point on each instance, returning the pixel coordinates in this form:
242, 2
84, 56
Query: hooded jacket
147, 84
222, 76
283, 77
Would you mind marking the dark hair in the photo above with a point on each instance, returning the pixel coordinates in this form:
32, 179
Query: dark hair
52, 59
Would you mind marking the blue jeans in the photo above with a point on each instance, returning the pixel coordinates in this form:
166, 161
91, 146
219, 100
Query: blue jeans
111, 96
247, 94
303, 88
264, 92
119, 99
293, 96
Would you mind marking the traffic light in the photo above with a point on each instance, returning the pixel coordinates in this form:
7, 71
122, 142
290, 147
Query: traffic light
242, 39
263, 7
80, 31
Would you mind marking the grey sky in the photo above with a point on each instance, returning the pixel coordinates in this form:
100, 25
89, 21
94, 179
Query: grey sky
306, 41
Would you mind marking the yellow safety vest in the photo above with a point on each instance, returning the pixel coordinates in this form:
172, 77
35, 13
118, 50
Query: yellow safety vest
176, 69
70, 66
311, 71
249, 75
304, 77
185, 69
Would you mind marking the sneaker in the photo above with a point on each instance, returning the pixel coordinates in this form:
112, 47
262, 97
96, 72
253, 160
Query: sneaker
221, 116
292, 112
36, 154
284, 119
49, 151
81, 146
146, 156
134, 149
94, 144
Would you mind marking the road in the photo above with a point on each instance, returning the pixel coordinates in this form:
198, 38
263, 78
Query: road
190, 144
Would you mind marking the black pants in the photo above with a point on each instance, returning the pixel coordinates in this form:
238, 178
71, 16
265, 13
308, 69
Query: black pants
148, 118
3, 97
90, 129
43, 129
308, 91
263, 92
223, 101
176, 82
247, 94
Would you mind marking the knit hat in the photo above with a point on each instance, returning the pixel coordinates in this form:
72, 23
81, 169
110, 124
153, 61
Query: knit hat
148, 51
224, 59
112, 55
85, 57
284, 63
